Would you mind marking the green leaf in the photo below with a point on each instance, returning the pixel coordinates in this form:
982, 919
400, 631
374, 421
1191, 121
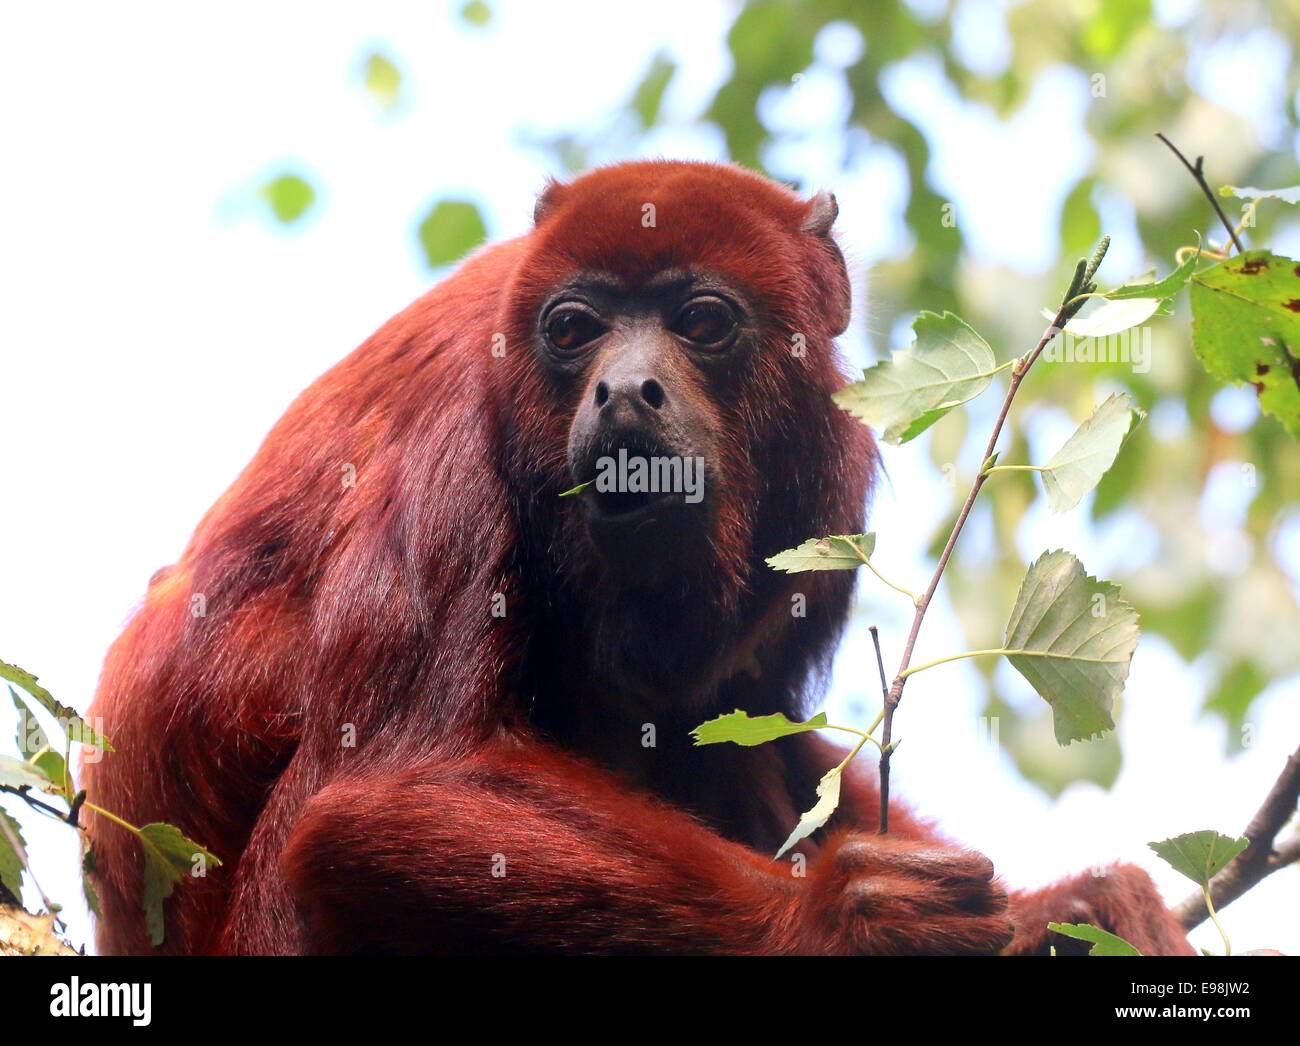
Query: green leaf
450, 230
168, 857
1166, 288
383, 80
51, 764
30, 737
1072, 637
1249, 192
743, 729
16, 774
1246, 328
89, 864
945, 366
1199, 855
476, 13
1110, 25
649, 94
11, 865
72, 724
838, 552
1084, 458
1232, 694
1080, 225
289, 197
828, 798
576, 490
1103, 942
34, 745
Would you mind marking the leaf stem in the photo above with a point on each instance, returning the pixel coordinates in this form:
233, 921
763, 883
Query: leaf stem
24, 793
866, 560
111, 817
864, 734
1214, 918
955, 657
1015, 468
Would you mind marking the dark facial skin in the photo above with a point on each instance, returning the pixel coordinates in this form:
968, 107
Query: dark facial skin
647, 362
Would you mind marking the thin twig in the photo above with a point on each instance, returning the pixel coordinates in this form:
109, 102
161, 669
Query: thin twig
1080, 285
26, 796
1261, 858
1198, 172
880, 663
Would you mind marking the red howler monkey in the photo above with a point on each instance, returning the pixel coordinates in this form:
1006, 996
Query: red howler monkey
414, 713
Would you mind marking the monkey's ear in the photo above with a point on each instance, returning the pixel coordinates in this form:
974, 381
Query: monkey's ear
548, 199
822, 212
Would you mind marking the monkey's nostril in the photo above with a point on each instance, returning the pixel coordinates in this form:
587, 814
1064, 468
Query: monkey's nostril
653, 393
602, 394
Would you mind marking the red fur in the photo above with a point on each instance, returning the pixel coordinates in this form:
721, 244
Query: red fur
335, 611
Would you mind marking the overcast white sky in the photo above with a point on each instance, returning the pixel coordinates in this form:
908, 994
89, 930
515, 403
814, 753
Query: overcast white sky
153, 327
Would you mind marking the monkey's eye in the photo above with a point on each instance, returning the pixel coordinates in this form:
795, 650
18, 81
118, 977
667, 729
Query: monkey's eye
568, 328
706, 322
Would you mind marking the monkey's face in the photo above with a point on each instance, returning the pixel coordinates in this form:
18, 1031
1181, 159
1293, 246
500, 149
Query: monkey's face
648, 364
678, 321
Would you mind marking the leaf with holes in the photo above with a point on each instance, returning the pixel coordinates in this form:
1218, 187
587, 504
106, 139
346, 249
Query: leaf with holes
1073, 638
1084, 458
743, 729
1199, 855
902, 396
1246, 328
838, 552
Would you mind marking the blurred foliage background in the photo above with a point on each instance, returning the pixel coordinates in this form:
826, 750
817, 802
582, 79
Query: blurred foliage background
1219, 586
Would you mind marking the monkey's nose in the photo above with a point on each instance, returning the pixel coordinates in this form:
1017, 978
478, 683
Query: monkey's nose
634, 392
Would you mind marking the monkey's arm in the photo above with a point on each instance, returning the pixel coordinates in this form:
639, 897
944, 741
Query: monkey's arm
406, 864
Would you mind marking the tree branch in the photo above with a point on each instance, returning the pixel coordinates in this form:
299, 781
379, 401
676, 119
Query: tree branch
1262, 857
1080, 286
1198, 172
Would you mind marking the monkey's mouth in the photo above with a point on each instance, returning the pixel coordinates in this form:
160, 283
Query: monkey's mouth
635, 482
615, 504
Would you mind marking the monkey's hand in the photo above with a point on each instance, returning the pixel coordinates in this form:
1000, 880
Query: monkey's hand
885, 895
1120, 898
